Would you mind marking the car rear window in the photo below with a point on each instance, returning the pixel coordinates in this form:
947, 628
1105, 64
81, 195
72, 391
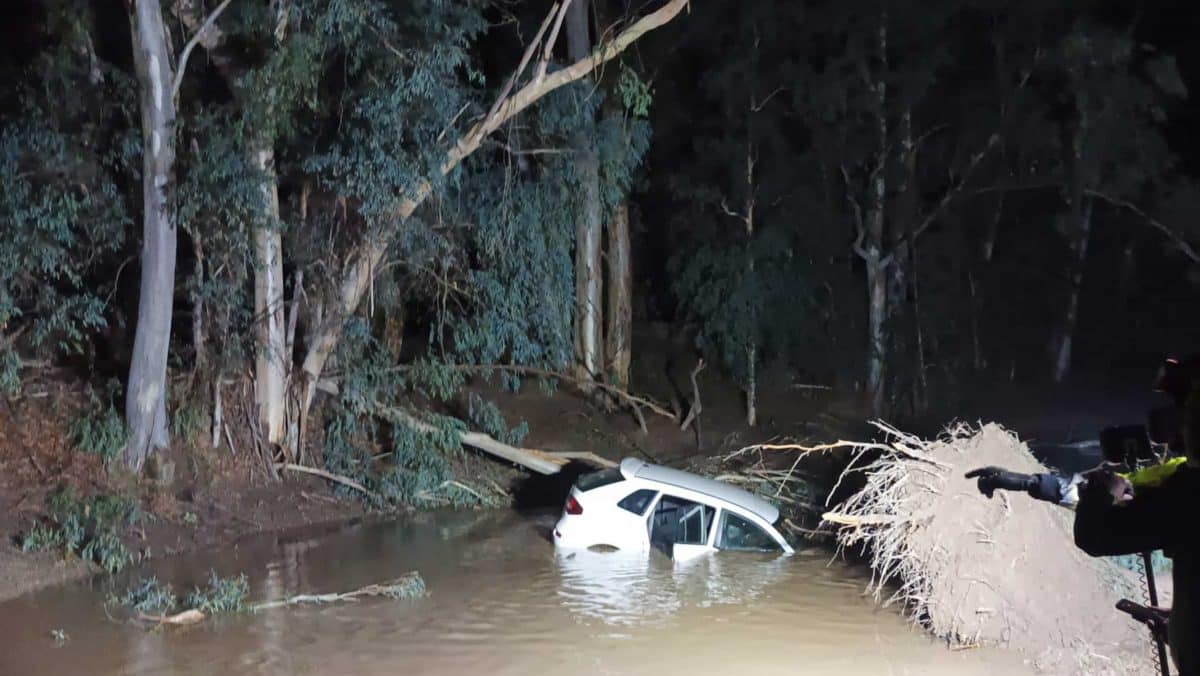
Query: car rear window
594, 480
637, 501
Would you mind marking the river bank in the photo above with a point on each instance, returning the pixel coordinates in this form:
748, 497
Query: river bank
221, 495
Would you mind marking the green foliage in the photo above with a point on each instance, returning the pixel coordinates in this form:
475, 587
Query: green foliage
64, 158
88, 528
147, 596
222, 595
758, 262
635, 92
99, 428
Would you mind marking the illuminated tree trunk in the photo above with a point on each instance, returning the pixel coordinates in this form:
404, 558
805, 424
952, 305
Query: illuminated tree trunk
145, 405
589, 321
620, 297
272, 358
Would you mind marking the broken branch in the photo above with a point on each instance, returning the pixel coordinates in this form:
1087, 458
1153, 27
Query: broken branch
187, 50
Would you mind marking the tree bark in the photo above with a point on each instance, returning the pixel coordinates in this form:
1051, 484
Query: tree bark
877, 335
271, 362
620, 297
589, 321
145, 406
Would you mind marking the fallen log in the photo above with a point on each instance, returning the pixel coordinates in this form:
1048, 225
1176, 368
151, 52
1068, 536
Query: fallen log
407, 586
542, 462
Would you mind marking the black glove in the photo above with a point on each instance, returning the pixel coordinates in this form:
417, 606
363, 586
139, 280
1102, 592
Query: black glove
991, 478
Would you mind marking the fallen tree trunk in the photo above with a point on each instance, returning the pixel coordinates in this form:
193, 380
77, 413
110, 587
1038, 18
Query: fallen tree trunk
542, 462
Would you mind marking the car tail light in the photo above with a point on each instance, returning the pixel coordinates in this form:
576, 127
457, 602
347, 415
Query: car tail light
573, 506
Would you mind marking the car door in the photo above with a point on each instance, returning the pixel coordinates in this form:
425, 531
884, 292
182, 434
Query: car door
737, 533
681, 528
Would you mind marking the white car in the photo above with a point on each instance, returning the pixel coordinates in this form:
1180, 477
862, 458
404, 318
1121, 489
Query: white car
636, 506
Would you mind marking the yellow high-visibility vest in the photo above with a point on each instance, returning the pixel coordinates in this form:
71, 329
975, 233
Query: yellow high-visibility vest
1154, 475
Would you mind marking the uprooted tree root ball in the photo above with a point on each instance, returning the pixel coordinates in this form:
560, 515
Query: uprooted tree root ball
979, 571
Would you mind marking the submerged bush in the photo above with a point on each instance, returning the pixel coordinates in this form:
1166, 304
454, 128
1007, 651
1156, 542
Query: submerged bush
87, 528
147, 596
223, 595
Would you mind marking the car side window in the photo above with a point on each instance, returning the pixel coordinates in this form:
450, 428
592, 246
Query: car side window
637, 501
740, 534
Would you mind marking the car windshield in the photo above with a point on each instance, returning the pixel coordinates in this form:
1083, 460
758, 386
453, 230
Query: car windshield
593, 480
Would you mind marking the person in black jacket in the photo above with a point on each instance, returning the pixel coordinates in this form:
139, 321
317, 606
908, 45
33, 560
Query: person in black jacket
1114, 517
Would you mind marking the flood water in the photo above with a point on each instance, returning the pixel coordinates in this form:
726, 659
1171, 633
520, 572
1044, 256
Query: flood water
501, 601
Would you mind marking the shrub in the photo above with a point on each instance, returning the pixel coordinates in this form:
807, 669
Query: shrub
88, 528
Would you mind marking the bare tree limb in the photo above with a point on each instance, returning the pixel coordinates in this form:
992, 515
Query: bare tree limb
1175, 238
548, 52
336, 478
516, 74
953, 191
187, 50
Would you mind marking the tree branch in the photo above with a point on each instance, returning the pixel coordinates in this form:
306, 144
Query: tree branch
1158, 225
549, 50
954, 190
181, 67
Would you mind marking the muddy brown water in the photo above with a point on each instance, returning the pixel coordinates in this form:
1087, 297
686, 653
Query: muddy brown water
501, 601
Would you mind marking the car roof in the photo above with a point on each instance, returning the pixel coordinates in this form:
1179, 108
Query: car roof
635, 468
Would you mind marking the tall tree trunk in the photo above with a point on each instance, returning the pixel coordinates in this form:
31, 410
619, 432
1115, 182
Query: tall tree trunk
875, 259
1066, 332
589, 307
619, 332
877, 332
272, 358
145, 405
752, 348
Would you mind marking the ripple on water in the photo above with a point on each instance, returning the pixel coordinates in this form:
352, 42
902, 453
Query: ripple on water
501, 601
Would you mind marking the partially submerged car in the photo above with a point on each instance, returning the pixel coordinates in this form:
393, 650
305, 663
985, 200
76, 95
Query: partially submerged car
637, 505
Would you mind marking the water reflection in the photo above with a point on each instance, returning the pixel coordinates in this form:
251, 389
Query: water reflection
636, 588
502, 601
